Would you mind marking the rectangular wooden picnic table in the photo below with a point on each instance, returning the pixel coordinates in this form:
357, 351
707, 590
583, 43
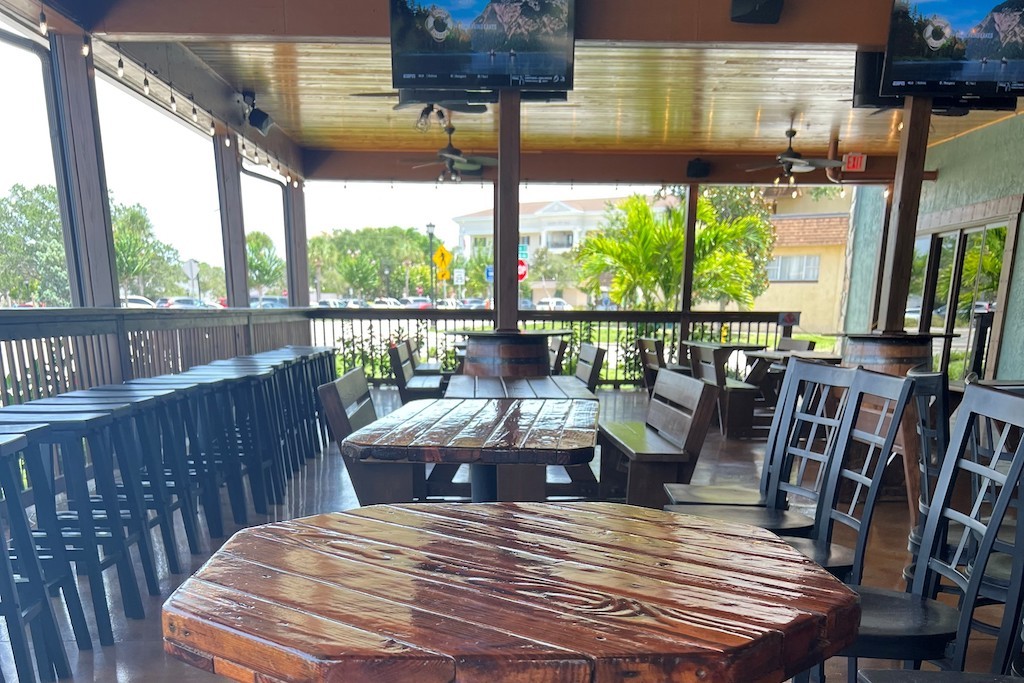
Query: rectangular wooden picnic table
497, 593
507, 442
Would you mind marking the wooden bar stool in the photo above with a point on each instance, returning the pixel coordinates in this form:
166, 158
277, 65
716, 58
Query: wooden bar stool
95, 538
24, 601
58, 574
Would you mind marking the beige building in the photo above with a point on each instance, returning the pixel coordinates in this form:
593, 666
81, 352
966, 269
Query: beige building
808, 270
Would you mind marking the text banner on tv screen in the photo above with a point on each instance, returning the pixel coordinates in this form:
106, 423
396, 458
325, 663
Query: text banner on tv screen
480, 44
955, 47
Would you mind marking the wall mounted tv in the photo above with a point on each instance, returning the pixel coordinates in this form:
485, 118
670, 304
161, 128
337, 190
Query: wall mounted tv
955, 47
867, 80
482, 44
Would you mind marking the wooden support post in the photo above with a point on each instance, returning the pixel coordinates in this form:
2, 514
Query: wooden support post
232, 226
82, 181
898, 258
686, 285
506, 229
297, 256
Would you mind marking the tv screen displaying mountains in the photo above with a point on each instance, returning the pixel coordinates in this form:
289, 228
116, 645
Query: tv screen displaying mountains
481, 45
955, 47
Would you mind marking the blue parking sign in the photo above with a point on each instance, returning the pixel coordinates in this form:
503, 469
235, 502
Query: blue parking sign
489, 273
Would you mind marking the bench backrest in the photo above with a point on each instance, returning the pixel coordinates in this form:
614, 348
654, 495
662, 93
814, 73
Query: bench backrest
347, 403
790, 344
588, 365
401, 364
680, 409
652, 359
708, 364
556, 354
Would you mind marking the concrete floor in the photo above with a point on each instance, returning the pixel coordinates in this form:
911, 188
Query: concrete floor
323, 486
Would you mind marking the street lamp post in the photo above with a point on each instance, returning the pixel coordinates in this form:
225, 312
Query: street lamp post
430, 255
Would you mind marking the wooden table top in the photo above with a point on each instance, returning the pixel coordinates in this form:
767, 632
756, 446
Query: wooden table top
778, 356
566, 593
562, 386
484, 431
735, 346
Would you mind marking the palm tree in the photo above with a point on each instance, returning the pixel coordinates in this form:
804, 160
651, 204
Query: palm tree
642, 251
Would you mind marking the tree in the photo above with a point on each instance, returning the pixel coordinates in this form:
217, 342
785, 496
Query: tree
555, 272
145, 265
212, 281
641, 251
33, 266
266, 268
321, 258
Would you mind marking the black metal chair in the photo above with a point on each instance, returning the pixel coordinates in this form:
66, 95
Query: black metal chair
807, 435
914, 627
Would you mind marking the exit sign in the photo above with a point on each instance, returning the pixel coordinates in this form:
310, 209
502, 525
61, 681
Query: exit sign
855, 162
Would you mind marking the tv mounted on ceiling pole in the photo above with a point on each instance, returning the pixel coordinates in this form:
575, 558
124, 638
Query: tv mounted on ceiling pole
955, 48
482, 44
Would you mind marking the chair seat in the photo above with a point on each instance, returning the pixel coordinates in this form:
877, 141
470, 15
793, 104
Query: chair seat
898, 625
431, 368
782, 522
905, 676
836, 559
708, 494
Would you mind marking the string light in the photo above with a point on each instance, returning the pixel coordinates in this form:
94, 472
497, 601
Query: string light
120, 67
842, 192
227, 142
174, 102
295, 183
86, 47
195, 112
42, 23
885, 193
795, 193
899, 126
213, 128
145, 80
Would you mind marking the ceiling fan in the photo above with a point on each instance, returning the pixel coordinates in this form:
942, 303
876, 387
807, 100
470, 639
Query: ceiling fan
455, 163
792, 161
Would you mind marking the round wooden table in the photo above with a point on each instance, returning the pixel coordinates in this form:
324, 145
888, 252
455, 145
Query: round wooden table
575, 592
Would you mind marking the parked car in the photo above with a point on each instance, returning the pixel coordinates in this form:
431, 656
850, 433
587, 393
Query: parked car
526, 305
268, 302
447, 303
136, 301
179, 302
385, 302
553, 303
416, 302
473, 304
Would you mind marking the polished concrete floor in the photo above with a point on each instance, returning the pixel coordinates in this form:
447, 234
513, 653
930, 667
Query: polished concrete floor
323, 486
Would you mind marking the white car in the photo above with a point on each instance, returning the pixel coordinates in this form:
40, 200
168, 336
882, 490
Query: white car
385, 302
136, 301
553, 303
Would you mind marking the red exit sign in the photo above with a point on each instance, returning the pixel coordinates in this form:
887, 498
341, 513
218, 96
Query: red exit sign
854, 162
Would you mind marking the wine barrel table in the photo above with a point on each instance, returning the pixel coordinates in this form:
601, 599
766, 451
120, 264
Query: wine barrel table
493, 593
514, 353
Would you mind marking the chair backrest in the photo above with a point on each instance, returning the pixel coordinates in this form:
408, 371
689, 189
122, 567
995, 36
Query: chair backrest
556, 353
411, 352
986, 447
805, 435
401, 366
862, 449
652, 359
708, 364
347, 403
931, 410
588, 365
790, 344
681, 408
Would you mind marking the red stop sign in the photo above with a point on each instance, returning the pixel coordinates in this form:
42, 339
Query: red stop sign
523, 269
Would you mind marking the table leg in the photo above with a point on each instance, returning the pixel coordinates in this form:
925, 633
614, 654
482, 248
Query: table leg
483, 483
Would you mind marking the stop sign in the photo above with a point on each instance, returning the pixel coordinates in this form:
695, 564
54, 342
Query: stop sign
522, 270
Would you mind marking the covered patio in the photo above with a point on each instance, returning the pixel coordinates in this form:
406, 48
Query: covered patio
674, 93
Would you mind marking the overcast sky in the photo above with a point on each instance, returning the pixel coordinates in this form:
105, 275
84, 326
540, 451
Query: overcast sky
166, 166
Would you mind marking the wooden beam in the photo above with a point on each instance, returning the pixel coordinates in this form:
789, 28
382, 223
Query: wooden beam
906, 198
686, 286
862, 23
232, 226
506, 228
89, 236
297, 255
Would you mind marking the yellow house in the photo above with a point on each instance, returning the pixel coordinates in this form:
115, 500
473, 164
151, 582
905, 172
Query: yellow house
808, 270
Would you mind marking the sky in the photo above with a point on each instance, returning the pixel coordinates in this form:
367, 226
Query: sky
156, 160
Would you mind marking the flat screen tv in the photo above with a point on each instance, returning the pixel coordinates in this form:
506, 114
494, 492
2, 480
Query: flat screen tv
867, 80
482, 44
954, 48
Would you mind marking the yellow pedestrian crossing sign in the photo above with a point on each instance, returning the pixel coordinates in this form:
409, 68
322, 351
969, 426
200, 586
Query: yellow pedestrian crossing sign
442, 259
443, 274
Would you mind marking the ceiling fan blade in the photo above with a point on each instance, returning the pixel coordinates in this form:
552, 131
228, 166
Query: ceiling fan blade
824, 163
482, 161
466, 166
762, 168
432, 163
453, 157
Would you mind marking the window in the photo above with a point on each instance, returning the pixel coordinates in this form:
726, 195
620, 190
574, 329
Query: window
524, 240
803, 268
560, 240
266, 252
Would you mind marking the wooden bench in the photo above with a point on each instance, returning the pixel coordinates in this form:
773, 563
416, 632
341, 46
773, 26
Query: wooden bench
663, 448
556, 354
410, 385
588, 371
421, 367
735, 397
652, 359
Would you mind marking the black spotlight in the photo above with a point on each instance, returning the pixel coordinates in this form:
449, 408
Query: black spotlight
260, 120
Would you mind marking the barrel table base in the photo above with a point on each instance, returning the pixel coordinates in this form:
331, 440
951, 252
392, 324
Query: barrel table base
511, 354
